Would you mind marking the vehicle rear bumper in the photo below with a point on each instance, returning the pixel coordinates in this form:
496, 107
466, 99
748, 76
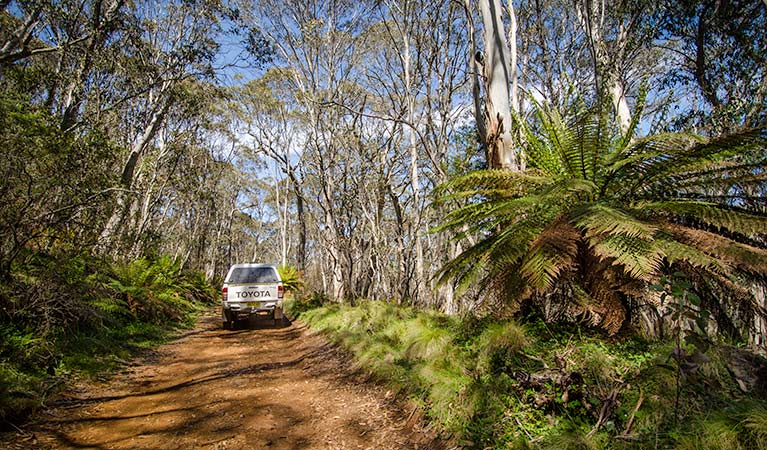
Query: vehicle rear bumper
242, 310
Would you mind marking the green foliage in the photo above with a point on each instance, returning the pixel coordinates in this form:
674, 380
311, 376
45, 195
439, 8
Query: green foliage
295, 305
52, 180
735, 427
65, 314
495, 384
292, 278
19, 391
155, 291
412, 350
599, 215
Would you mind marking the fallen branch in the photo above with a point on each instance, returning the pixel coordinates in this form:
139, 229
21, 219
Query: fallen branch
630, 423
605, 412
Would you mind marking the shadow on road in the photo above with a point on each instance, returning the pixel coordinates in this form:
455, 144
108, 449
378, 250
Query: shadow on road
258, 323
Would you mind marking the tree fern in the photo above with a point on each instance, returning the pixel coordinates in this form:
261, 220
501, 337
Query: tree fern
599, 214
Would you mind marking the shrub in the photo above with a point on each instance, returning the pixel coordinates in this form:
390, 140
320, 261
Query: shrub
75, 313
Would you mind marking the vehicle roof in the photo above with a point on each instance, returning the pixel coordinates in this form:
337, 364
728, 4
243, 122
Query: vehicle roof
253, 265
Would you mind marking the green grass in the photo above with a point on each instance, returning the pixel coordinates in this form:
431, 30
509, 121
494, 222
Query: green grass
490, 384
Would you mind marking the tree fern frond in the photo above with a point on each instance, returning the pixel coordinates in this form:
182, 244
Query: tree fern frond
552, 253
660, 155
676, 251
713, 214
539, 154
569, 187
478, 217
709, 179
481, 181
639, 258
493, 254
602, 308
465, 268
741, 257
598, 219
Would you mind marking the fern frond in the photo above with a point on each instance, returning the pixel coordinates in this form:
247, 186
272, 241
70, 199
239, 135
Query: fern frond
465, 268
598, 219
712, 182
640, 258
739, 257
658, 156
676, 251
712, 214
552, 252
482, 182
539, 154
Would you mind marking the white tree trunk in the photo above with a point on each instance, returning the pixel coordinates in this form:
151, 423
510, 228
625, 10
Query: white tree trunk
606, 71
498, 107
620, 104
419, 290
137, 150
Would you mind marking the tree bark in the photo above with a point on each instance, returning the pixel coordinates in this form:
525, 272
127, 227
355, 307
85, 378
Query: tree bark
499, 141
606, 66
475, 69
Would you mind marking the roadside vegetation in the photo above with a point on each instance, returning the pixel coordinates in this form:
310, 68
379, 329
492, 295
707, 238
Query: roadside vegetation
525, 383
613, 281
579, 186
66, 316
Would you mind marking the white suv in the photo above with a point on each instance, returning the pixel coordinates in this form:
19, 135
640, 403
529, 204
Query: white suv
251, 289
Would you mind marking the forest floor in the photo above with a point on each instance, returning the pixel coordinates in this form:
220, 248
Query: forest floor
258, 387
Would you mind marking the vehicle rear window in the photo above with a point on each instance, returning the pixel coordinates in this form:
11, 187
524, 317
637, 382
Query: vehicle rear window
253, 275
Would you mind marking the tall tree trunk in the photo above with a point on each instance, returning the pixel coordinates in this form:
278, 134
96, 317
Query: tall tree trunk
606, 65
138, 148
301, 221
498, 79
475, 69
420, 284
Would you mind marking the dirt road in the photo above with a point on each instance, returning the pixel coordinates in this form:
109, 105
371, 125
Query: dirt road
254, 388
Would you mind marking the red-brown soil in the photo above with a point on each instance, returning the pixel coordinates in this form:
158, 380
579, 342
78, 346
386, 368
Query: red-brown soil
257, 387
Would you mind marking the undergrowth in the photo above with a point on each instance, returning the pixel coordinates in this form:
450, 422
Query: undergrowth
539, 386
65, 316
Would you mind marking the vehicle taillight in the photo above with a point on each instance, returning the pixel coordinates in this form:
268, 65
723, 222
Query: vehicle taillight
224, 292
280, 291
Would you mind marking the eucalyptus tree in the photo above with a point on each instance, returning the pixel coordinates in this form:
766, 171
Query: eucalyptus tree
719, 62
613, 35
497, 64
415, 64
267, 112
553, 52
73, 47
317, 44
415, 75
172, 43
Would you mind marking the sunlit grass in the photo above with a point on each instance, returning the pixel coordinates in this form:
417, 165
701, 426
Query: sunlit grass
492, 384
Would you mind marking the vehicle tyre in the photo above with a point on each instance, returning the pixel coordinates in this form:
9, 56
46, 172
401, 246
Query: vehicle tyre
228, 320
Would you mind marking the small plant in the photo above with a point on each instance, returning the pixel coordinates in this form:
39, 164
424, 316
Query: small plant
95, 314
295, 305
292, 278
689, 321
